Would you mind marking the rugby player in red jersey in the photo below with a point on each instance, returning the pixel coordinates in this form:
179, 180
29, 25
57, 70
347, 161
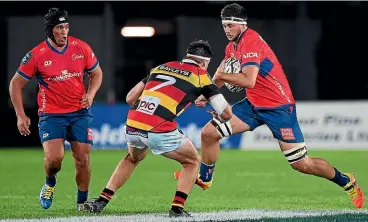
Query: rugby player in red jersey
269, 101
156, 102
59, 64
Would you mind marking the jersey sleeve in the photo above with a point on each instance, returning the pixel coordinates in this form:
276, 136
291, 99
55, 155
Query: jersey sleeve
145, 79
208, 88
28, 66
90, 58
251, 54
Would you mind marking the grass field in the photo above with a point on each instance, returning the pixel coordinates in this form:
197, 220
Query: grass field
244, 180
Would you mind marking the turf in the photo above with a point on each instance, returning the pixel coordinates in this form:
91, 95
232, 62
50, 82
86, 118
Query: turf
243, 180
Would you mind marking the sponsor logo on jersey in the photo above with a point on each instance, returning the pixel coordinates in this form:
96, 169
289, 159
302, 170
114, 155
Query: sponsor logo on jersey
148, 104
47, 63
250, 55
75, 57
174, 70
64, 76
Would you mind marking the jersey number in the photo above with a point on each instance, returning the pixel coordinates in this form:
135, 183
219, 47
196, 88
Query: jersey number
170, 81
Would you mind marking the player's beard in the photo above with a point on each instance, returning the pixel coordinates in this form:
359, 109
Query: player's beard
236, 38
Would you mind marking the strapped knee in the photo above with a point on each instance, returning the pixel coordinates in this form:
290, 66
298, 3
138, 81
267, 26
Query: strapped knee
297, 153
224, 129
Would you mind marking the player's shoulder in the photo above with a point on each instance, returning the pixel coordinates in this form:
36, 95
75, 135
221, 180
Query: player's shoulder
252, 36
77, 43
39, 49
185, 66
35, 52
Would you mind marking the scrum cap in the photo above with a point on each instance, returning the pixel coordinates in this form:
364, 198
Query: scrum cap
53, 18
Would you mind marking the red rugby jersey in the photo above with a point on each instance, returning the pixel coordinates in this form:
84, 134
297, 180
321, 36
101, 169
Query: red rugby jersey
59, 74
272, 87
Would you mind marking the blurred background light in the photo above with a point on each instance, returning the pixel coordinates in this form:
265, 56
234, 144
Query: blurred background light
143, 31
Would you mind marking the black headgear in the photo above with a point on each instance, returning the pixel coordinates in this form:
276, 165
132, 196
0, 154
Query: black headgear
53, 18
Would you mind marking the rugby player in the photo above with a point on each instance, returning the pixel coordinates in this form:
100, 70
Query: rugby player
59, 63
156, 102
269, 101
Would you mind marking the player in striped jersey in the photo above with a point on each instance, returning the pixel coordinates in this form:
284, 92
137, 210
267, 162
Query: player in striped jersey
156, 102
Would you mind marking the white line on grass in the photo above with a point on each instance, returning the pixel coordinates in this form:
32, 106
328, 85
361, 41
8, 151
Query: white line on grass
12, 197
214, 216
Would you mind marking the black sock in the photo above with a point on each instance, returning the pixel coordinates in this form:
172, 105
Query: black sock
106, 195
51, 181
82, 196
340, 178
179, 201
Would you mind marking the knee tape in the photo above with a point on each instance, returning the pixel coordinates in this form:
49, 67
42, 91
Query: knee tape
297, 153
224, 129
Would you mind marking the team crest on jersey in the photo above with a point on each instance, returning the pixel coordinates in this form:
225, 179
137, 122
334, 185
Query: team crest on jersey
26, 58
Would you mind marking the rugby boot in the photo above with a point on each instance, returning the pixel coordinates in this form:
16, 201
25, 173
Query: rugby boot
179, 213
94, 206
82, 207
199, 182
46, 196
354, 192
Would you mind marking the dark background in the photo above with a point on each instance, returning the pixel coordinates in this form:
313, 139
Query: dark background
340, 54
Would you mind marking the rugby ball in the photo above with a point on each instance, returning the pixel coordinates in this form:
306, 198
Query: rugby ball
232, 65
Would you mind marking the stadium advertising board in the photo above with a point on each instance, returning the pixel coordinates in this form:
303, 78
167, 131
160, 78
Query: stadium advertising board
326, 125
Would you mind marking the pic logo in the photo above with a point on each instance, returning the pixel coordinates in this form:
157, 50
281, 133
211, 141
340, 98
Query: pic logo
148, 104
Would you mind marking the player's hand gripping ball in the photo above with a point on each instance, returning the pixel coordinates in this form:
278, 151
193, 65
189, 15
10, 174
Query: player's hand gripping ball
231, 66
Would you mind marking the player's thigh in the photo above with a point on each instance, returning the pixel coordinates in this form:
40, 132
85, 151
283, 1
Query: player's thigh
160, 143
244, 119
283, 123
136, 140
52, 133
284, 126
52, 127
185, 154
54, 150
79, 129
80, 152
137, 154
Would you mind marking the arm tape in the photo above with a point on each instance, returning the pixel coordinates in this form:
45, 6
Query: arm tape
219, 103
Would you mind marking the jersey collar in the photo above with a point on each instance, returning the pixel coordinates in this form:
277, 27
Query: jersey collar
190, 61
55, 50
240, 37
